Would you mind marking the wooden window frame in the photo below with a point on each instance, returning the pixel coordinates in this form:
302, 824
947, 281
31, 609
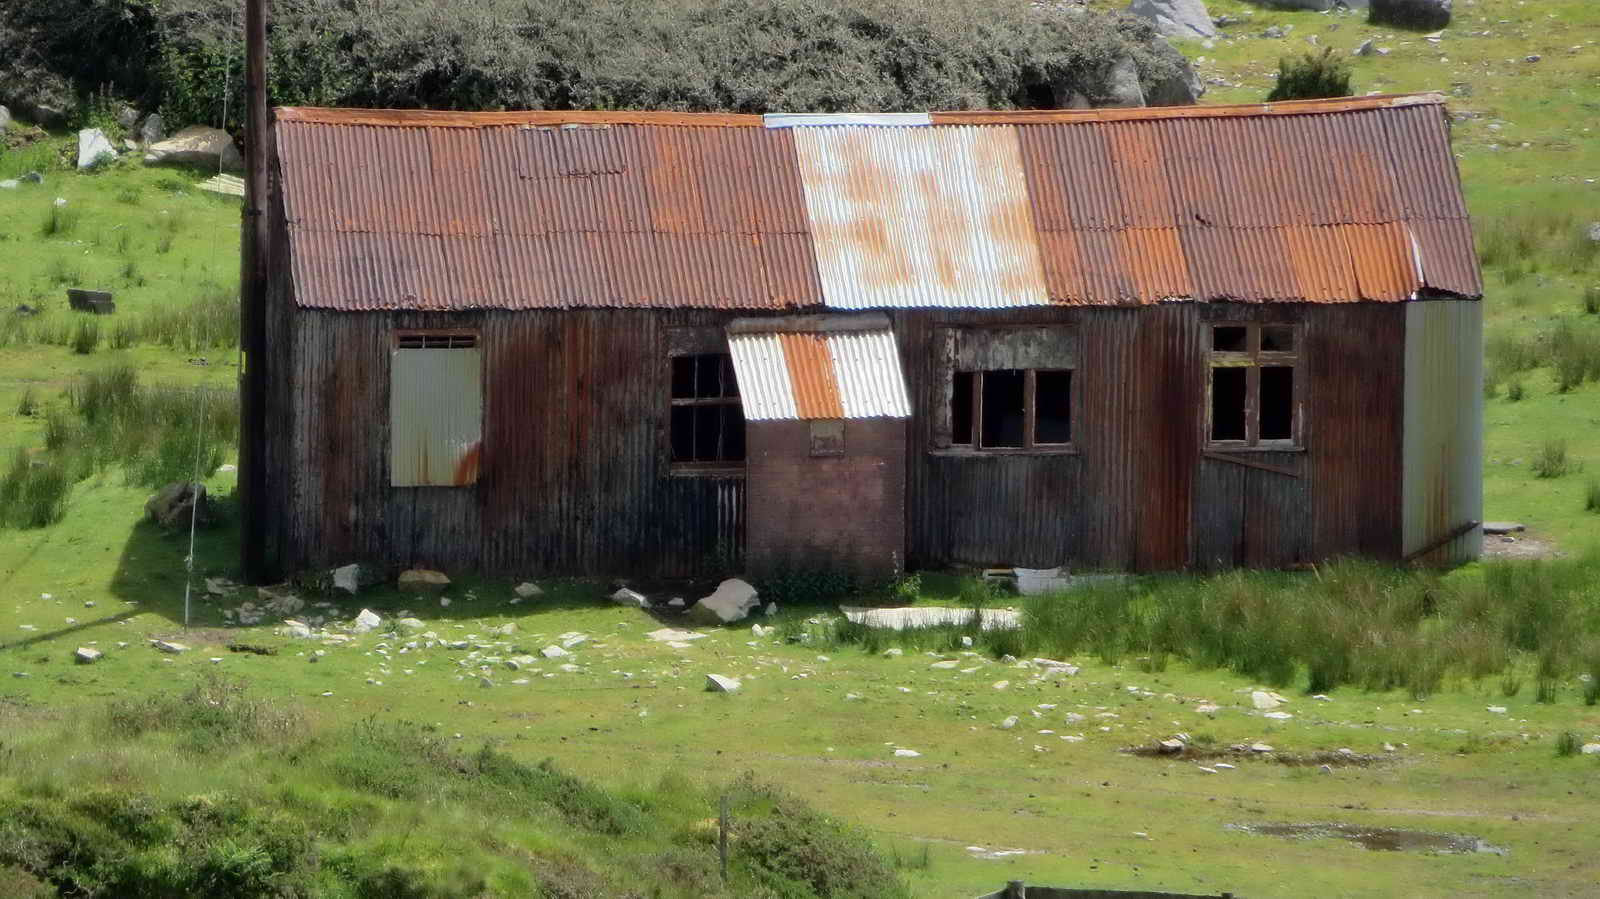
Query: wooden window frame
1253, 359
720, 468
1030, 417
451, 338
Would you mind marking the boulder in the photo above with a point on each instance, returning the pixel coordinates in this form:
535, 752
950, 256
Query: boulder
630, 598
296, 630
175, 505
1366, 48
528, 591
150, 130
1265, 701
1177, 18
366, 622
1425, 15
517, 663
411, 624
554, 652
1170, 747
422, 580
127, 116
1183, 88
1121, 85
169, 647
198, 145
86, 656
716, 683
93, 144
732, 601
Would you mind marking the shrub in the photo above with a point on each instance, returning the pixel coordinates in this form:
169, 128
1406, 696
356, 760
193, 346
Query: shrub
85, 335
1514, 391
1568, 744
1551, 462
794, 850
1312, 77
28, 405
1591, 496
216, 713
1575, 354
1591, 300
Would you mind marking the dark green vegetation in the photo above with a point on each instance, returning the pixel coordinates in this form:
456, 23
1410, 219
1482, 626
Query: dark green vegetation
790, 55
219, 791
1313, 76
1345, 624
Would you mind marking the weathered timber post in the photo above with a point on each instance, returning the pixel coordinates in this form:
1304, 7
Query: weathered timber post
253, 268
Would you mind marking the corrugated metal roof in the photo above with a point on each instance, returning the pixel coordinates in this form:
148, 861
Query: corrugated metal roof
1314, 201
818, 367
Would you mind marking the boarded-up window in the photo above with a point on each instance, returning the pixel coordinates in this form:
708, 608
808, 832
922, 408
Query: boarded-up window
1254, 394
435, 409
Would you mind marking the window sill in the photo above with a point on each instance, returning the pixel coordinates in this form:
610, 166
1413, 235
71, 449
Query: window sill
968, 453
705, 470
1261, 448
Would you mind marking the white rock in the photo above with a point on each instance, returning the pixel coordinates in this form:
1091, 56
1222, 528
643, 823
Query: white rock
348, 579
1279, 716
554, 652
298, 630
945, 664
757, 630
1260, 747
630, 598
504, 630
675, 602
422, 580
1001, 684
527, 590
732, 601
907, 753
1170, 747
894, 651
1590, 749
168, 646
411, 624
1010, 722
86, 656
673, 635
966, 641
716, 683
517, 663
92, 144
1497, 710
198, 145
1265, 701
366, 621
1223, 765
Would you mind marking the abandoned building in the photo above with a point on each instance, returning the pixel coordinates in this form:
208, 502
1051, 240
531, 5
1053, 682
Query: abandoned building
537, 343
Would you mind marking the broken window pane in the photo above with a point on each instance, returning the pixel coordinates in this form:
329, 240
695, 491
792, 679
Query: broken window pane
1230, 339
1052, 405
1277, 402
1277, 338
961, 408
1003, 415
683, 377
1228, 389
683, 433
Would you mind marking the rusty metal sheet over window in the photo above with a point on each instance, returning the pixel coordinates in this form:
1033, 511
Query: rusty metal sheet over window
818, 367
435, 412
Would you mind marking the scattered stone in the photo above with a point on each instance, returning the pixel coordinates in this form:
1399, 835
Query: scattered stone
93, 144
632, 599
9, 184
1497, 710
758, 630
366, 622
411, 624
1366, 49
32, 177
517, 663
1001, 684
1532, 57
150, 130
1264, 700
675, 602
1278, 716
1260, 747
507, 629
732, 601
1590, 749
5, 118
1170, 747
894, 652
1388, 747
1206, 708
296, 629
554, 652
422, 580
716, 683
198, 145
1010, 722
907, 753
1274, 32
1223, 766
169, 647
86, 656
770, 610
527, 590
444, 602
945, 664
966, 641
673, 635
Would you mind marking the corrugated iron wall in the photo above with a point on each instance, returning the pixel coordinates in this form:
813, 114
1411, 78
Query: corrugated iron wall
1443, 457
574, 469
574, 473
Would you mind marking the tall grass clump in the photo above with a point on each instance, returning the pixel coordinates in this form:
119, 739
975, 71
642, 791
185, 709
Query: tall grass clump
33, 491
1591, 300
85, 335
1568, 744
210, 321
1574, 354
28, 404
155, 434
1552, 461
58, 221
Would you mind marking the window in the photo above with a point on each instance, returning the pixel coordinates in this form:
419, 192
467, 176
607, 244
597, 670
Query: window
435, 409
1252, 386
1011, 409
707, 427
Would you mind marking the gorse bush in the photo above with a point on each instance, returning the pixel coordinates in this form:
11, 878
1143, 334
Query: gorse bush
1313, 76
785, 55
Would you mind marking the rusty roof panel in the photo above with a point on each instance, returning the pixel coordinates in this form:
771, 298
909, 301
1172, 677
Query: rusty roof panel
818, 367
918, 217
1319, 201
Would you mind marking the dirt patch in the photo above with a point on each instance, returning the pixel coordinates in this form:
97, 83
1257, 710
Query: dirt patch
1243, 753
1377, 839
200, 636
1519, 546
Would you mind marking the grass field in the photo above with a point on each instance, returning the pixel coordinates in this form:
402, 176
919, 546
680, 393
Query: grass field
822, 720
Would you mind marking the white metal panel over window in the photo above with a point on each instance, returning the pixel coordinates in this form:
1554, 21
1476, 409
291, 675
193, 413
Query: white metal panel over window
435, 410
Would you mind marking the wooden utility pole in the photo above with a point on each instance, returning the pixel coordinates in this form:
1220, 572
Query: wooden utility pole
253, 268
